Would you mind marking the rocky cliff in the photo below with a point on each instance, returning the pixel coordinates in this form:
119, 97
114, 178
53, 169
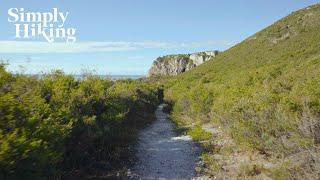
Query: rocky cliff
176, 64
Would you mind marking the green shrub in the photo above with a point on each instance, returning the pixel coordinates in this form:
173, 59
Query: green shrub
55, 124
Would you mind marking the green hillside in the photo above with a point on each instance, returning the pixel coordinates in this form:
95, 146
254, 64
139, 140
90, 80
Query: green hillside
261, 98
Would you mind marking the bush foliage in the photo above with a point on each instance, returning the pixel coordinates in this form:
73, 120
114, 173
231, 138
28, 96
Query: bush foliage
55, 125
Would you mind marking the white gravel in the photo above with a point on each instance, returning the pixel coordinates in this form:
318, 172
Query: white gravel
162, 154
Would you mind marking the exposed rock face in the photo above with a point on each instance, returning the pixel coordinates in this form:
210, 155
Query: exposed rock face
176, 64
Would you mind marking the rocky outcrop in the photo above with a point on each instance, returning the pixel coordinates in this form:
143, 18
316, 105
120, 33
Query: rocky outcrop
176, 64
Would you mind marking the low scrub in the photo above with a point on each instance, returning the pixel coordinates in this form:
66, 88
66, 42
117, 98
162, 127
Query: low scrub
56, 126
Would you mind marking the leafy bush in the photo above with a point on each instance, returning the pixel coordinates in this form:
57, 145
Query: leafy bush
56, 126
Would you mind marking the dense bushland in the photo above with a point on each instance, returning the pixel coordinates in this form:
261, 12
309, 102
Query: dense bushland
264, 93
56, 126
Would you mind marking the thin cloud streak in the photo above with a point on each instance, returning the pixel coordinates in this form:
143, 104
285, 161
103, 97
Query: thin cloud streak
93, 46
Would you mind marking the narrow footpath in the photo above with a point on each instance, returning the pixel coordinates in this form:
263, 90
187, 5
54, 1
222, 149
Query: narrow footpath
162, 154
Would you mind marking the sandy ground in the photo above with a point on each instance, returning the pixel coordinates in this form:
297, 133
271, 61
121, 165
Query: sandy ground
161, 154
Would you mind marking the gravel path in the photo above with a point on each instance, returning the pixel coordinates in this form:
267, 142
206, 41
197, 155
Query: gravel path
162, 154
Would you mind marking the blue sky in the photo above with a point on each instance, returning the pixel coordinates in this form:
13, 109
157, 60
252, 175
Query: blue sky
125, 36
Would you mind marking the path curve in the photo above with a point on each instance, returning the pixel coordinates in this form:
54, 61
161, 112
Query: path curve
161, 154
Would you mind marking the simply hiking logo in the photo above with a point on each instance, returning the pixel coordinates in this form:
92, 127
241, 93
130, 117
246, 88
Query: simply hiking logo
49, 25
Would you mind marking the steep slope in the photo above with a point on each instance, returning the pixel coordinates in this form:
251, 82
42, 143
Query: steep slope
260, 100
176, 64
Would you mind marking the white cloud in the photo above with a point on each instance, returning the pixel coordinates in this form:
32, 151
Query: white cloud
93, 46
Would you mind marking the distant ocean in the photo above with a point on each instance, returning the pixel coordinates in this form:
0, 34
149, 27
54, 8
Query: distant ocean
112, 77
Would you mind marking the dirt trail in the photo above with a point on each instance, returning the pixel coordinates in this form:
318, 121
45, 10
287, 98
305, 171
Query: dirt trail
161, 154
